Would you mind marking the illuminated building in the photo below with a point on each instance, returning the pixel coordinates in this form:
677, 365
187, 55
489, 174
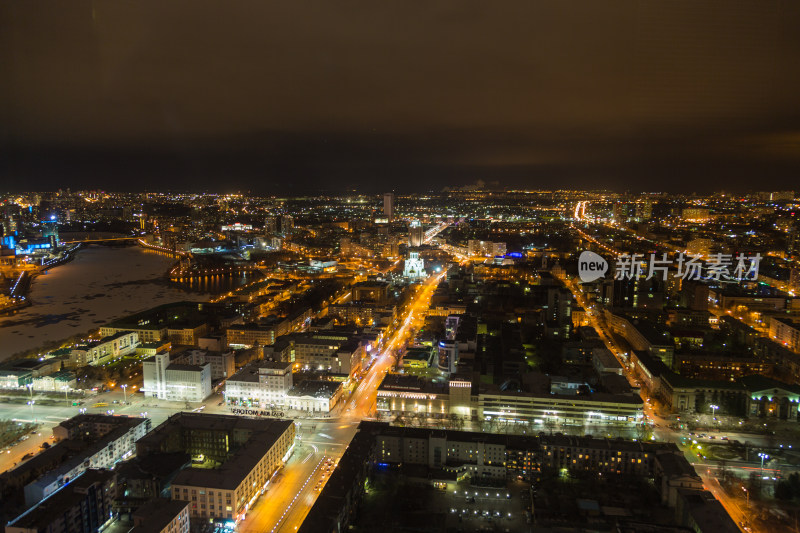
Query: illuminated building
409, 395
699, 246
315, 396
101, 441
249, 335
261, 384
175, 382
416, 234
414, 267
786, 332
388, 205
490, 460
247, 453
271, 224
84, 505
287, 224
105, 350
238, 226
696, 214
485, 248
50, 231
223, 365
376, 292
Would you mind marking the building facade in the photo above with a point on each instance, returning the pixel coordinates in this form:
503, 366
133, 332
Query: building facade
263, 384
175, 382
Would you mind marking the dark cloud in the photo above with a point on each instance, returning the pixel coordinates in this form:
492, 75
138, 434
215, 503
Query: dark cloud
258, 94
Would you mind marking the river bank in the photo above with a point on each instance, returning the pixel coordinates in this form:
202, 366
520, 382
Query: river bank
97, 285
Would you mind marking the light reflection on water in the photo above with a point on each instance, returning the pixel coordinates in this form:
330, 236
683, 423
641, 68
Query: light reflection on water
99, 285
215, 284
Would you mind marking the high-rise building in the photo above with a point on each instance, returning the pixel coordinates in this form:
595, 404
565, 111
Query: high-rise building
388, 205
644, 210
699, 246
416, 234
287, 224
50, 230
793, 241
271, 224
794, 280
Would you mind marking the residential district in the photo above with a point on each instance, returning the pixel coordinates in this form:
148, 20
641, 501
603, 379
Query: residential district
474, 360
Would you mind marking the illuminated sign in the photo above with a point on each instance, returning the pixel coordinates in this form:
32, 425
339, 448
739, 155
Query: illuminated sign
258, 412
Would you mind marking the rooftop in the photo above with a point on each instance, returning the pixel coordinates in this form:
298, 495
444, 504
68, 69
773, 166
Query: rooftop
256, 437
71, 495
156, 515
316, 388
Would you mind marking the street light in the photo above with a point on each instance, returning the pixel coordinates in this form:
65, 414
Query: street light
125, 394
763, 456
31, 402
66, 391
747, 495
714, 409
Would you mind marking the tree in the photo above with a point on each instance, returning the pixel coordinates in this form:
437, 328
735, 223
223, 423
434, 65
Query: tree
700, 402
794, 481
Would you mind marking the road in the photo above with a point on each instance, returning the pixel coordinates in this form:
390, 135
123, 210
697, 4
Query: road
706, 468
288, 500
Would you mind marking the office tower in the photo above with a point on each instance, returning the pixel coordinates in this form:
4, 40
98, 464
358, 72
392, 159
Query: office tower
287, 224
388, 205
271, 224
793, 241
644, 210
50, 230
415, 234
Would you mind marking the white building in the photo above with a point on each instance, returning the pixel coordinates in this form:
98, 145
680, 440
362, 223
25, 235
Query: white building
323, 350
262, 384
175, 382
223, 365
414, 266
55, 382
314, 395
105, 350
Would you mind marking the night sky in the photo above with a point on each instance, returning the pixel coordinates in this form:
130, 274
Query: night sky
295, 96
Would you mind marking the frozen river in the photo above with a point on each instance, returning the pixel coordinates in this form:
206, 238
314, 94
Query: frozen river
100, 284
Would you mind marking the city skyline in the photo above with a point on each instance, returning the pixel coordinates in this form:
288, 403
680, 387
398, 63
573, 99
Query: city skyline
442, 266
